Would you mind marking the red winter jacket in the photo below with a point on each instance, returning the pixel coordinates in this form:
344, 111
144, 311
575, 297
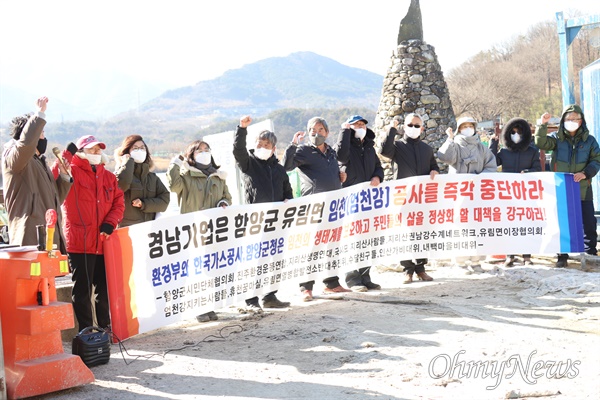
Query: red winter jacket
95, 199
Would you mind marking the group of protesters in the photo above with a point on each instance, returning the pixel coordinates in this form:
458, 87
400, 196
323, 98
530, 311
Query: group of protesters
91, 202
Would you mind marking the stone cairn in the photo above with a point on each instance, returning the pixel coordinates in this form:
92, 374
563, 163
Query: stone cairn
414, 83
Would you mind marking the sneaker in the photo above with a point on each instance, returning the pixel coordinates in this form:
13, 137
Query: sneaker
372, 286
274, 302
424, 277
509, 262
476, 268
527, 261
337, 289
307, 295
408, 278
359, 288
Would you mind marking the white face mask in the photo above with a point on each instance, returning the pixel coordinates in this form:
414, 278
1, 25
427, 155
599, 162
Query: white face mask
202, 158
262, 153
413, 132
139, 156
515, 137
360, 133
467, 131
571, 126
94, 159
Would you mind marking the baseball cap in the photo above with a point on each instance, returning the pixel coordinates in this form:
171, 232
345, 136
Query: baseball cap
356, 118
89, 141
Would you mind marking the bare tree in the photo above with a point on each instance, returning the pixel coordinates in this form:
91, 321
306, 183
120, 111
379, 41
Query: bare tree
520, 77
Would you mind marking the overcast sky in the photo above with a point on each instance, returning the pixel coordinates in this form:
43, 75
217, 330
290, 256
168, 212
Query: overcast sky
183, 42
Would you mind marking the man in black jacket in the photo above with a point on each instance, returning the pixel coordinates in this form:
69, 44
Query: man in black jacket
356, 154
265, 181
412, 158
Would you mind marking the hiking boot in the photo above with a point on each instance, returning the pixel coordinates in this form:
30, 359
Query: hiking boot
527, 261
359, 288
372, 286
254, 307
337, 289
203, 317
274, 302
307, 295
561, 263
408, 277
424, 277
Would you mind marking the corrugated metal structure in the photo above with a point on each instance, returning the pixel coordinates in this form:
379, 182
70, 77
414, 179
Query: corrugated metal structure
589, 80
590, 102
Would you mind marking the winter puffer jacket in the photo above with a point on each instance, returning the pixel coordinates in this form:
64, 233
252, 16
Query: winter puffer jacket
412, 156
265, 181
578, 153
358, 158
516, 157
138, 182
196, 191
95, 199
319, 172
467, 155
30, 189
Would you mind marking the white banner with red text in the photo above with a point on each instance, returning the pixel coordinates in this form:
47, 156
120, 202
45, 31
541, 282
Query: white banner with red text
175, 268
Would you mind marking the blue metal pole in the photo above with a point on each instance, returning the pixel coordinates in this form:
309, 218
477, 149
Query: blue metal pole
566, 61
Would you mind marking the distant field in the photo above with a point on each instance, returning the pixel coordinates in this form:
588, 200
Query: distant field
161, 164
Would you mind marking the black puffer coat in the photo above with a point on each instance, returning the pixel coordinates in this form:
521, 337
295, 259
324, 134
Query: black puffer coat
265, 181
358, 158
516, 157
412, 156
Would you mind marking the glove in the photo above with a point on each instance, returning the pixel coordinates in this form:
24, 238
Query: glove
177, 161
72, 148
67, 156
106, 228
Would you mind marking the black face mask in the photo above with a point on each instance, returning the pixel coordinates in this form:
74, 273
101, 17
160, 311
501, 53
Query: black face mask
41, 146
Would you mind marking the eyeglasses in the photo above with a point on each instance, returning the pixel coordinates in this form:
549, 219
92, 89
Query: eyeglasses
413, 125
573, 120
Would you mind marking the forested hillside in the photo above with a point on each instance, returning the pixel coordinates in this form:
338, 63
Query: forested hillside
519, 78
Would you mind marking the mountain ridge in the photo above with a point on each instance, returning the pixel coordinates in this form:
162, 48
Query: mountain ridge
302, 79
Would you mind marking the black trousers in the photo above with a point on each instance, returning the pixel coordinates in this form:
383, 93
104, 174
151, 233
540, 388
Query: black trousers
89, 271
358, 277
590, 235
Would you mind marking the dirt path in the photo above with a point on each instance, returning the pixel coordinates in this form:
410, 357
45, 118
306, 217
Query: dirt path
386, 344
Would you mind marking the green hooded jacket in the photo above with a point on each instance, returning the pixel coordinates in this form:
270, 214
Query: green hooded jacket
577, 153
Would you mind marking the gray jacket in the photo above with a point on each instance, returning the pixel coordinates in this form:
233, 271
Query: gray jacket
467, 155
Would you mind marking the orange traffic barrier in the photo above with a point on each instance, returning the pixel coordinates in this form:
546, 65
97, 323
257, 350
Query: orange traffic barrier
32, 318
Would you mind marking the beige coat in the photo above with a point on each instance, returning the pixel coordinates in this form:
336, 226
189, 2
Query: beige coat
30, 187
